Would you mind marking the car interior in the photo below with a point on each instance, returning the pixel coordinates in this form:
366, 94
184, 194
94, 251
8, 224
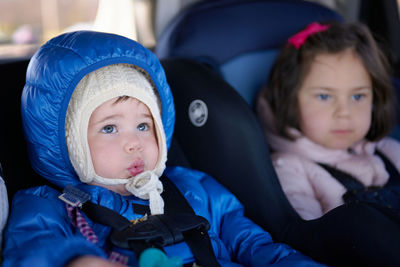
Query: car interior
217, 55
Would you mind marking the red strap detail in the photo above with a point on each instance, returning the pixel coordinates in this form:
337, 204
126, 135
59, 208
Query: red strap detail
80, 222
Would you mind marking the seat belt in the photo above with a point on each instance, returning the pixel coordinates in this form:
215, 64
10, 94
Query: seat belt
394, 178
348, 181
198, 241
178, 223
352, 184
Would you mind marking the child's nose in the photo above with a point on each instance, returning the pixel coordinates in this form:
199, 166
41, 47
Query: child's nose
342, 108
132, 143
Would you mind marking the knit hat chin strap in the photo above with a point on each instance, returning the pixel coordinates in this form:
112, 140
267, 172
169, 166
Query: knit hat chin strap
146, 185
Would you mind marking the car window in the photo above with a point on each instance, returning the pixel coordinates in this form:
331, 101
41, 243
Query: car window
26, 24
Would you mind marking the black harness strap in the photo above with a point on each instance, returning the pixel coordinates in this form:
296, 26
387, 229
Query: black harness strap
394, 178
176, 205
141, 208
353, 185
176, 202
347, 180
386, 199
105, 216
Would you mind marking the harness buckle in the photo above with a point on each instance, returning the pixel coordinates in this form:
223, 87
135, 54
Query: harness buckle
159, 230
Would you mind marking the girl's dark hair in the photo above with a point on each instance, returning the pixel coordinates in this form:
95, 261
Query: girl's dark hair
292, 66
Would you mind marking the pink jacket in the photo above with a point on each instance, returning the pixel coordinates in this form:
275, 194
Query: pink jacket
310, 189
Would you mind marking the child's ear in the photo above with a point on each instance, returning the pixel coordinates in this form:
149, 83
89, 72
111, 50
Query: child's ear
265, 114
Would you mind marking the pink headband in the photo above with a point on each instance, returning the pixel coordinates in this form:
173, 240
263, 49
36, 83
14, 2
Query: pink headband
299, 38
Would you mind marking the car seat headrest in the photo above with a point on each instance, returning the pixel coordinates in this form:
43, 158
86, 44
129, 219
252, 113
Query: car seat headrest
239, 39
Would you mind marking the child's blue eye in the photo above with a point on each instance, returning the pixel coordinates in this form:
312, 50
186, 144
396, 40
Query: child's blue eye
143, 127
108, 129
323, 96
357, 97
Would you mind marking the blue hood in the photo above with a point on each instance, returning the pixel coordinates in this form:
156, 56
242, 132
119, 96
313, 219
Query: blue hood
52, 75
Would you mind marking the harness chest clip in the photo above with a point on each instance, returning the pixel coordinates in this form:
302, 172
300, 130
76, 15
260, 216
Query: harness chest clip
159, 230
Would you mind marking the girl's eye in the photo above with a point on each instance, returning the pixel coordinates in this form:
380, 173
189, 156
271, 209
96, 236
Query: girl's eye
323, 97
108, 129
357, 97
143, 127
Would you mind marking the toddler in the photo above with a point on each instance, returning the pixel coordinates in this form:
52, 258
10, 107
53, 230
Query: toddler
98, 117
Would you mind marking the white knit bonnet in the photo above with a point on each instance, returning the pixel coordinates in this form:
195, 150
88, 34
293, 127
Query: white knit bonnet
93, 90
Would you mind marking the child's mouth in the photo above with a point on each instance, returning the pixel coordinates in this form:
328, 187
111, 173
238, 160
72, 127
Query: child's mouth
342, 132
136, 167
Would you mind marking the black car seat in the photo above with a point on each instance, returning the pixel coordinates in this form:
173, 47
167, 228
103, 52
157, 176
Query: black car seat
216, 57
17, 170
217, 132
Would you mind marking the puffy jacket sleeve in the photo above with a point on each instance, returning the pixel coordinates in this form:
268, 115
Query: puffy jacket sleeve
39, 232
247, 243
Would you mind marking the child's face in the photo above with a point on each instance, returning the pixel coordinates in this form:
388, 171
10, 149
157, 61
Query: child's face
335, 100
122, 139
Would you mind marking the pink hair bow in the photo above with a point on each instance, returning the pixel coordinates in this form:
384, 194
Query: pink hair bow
299, 38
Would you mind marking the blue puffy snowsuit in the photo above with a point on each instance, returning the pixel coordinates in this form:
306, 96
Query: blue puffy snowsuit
40, 232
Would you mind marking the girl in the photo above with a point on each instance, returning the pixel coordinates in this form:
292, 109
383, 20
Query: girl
327, 111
